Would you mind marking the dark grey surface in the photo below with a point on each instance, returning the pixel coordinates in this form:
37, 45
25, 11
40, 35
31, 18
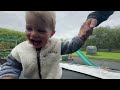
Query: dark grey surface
67, 74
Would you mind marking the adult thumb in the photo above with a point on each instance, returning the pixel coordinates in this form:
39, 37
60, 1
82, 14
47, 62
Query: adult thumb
93, 23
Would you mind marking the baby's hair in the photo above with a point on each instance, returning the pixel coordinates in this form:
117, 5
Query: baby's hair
47, 17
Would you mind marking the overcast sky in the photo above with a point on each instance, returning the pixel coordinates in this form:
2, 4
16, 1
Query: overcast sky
68, 22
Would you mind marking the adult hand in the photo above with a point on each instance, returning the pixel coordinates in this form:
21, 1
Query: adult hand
91, 23
87, 28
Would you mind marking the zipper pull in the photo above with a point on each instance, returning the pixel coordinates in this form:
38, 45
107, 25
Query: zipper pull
38, 52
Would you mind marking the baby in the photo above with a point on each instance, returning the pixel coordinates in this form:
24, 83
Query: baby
39, 56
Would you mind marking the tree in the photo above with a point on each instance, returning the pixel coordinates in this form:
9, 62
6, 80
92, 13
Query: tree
105, 37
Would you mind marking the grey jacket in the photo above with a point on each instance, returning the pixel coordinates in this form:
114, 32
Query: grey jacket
100, 16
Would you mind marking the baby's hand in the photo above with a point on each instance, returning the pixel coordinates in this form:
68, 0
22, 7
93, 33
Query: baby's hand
8, 78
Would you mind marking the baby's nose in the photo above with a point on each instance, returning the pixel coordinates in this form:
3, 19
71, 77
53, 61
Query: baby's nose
34, 34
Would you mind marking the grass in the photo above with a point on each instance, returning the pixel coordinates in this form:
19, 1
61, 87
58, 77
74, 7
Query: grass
103, 55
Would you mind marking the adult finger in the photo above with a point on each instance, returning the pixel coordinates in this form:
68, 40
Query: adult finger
93, 23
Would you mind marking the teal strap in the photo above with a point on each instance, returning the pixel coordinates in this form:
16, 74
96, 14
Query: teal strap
85, 59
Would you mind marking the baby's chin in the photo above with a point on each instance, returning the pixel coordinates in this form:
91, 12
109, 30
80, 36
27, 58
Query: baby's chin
37, 46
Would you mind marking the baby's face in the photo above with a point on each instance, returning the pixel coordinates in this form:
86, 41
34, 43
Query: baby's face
37, 33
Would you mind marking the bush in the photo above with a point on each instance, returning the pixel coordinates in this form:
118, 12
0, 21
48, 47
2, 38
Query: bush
9, 39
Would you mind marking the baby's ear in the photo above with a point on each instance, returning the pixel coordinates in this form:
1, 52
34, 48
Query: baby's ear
53, 32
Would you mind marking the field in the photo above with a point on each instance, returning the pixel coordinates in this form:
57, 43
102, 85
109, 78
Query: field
103, 55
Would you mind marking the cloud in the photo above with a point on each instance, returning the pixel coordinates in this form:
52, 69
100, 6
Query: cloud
68, 22
12, 20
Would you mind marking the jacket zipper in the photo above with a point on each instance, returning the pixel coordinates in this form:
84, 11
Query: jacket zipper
38, 63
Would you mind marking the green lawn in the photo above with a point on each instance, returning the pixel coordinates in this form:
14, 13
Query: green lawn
103, 55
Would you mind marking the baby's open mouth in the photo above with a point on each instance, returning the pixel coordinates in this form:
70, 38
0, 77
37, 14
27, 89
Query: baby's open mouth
36, 42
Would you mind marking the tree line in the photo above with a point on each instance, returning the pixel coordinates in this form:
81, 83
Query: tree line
104, 38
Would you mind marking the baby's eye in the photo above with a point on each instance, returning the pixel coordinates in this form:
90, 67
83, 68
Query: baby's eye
42, 31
